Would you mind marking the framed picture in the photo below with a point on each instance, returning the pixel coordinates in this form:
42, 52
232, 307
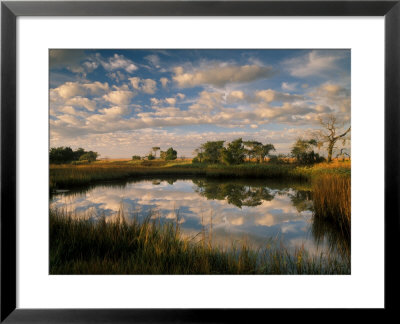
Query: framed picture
195, 148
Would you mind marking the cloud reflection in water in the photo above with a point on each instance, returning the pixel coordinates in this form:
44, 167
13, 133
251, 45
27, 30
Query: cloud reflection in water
239, 210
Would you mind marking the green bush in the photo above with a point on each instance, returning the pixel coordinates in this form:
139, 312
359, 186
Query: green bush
89, 156
80, 162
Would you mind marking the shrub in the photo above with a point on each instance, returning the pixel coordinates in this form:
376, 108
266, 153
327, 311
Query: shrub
90, 156
59, 155
169, 155
80, 162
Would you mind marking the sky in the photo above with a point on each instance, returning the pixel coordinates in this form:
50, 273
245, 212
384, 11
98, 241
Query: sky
121, 102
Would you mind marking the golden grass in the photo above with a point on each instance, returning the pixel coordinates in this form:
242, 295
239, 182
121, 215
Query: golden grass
335, 164
75, 175
79, 246
332, 197
66, 175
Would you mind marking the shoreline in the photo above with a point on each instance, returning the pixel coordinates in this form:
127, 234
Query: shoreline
69, 176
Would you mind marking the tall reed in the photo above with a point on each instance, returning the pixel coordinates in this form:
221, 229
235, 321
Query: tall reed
332, 199
84, 246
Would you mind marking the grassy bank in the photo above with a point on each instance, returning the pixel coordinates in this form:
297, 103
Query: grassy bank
68, 175
332, 209
118, 247
332, 196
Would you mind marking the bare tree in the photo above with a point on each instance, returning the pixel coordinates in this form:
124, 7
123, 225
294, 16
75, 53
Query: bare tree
332, 132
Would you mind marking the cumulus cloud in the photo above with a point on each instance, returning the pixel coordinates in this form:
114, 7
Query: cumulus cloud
207, 101
288, 86
70, 89
180, 95
96, 88
149, 86
90, 65
164, 82
146, 85
118, 76
115, 111
313, 63
236, 96
287, 113
154, 60
272, 95
331, 90
267, 95
116, 62
220, 75
82, 102
225, 102
73, 89
67, 110
119, 97
170, 101
140, 140
60, 58
135, 82
73, 60
333, 95
235, 109
155, 101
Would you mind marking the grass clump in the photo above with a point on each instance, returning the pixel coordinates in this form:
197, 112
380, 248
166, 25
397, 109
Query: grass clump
332, 197
332, 210
85, 246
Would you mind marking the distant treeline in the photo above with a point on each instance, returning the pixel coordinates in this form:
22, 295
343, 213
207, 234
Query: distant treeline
238, 151
211, 152
59, 155
167, 155
234, 152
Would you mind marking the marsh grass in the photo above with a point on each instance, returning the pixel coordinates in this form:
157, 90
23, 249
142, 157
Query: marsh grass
332, 210
332, 197
68, 175
118, 246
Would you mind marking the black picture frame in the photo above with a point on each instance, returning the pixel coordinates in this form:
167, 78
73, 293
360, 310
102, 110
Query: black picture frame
10, 10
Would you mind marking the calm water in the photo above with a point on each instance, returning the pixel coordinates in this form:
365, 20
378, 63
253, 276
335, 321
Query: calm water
233, 211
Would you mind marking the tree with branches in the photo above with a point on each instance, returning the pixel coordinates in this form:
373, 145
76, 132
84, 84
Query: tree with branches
303, 151
330, 133
257, 150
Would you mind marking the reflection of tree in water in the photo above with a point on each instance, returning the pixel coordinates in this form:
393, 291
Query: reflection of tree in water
114, 184
337, 234
235, 193
301, 200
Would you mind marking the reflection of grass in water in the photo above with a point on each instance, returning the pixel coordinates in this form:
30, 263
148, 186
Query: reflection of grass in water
81, 246
332, 211
77, 175
332, 198
337, 236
